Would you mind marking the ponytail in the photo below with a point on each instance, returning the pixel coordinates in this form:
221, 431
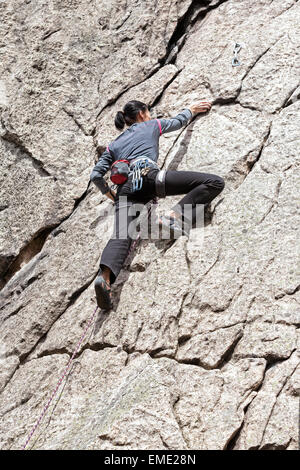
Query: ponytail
120, 120
129, 114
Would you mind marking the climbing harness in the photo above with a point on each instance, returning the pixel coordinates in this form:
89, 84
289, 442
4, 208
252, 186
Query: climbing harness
139, 168
92, 318
235, 61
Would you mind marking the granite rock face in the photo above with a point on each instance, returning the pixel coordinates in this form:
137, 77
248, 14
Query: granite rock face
201, 348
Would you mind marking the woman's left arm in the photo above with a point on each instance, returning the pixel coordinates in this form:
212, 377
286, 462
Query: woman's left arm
99, 170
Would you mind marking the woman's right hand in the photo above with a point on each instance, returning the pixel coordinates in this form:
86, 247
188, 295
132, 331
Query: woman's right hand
200, 107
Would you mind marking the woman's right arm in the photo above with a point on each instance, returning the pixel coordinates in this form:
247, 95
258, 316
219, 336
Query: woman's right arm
99, 170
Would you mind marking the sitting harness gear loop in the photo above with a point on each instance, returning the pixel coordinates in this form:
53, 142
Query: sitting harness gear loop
140, 168
160, 184
143, 158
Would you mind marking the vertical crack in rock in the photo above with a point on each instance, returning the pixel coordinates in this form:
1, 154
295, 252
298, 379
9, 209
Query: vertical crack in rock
26, 254
35, 245
174, 45
188, 264
179, 35
80, 127
196, 12
180, 339
274, 204
232, 443
159, 97
234, 99
178, 422
251, 164
277, 395
260, 57
172, 146
234, 438
114, 100
184, 145
72, 300
230, 351
293, 96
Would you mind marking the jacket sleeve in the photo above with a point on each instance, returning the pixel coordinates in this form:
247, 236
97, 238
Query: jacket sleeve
175, 123
99, 170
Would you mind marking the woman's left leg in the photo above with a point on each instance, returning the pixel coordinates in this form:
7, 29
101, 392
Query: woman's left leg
199, 188
115, 253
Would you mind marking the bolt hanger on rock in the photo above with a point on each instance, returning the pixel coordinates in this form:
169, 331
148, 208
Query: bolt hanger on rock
236, 61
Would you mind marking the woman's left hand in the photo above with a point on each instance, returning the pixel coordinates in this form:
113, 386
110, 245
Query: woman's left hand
111, 195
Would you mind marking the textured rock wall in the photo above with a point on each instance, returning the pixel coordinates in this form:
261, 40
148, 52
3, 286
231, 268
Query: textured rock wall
204, 355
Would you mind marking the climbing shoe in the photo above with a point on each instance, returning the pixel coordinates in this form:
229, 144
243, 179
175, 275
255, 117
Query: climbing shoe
171, 227
103, 292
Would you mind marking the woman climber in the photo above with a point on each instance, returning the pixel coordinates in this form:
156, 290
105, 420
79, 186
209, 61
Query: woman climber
132, 157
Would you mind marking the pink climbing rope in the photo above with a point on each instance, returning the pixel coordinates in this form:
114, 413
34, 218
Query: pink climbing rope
60, 380
153, 203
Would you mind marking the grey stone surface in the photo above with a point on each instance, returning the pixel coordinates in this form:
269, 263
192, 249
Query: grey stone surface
201, 347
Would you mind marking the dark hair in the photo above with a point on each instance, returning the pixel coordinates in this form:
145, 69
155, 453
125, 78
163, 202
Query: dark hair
129, 113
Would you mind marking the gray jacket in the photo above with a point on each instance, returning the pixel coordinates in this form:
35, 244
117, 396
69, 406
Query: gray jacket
140, 139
